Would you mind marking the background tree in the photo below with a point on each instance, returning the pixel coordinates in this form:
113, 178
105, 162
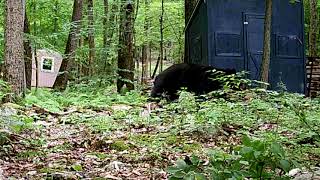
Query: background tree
145, 46
83, 50
125, 53
2, 14
50, 27
313, 28
105, 22
92, 51
72, 43
110, 35
13, 53
266, 42
161, 35
35, 47
56, 9
27, 52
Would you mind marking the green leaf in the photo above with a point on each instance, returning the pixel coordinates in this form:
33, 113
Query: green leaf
244, 162
77, 167
277, 149
195, 160
181, 164
285, 165
258, 145
174, 178
257, 154
199, 176
295, 163
189, 176
172, 169
246, 150
179, 174
246, 140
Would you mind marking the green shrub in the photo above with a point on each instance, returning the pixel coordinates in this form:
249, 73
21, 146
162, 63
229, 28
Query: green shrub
253, 159
4, 89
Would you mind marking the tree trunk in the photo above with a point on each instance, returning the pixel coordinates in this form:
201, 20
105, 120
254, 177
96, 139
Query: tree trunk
136, 55
110, 29
136, 51
125, 53
13, 52
83, 43
145, 46
35, 46
55, 20
27, 52
105, 23
150, 58
266, 43
82, 68
92, 51
72, 43
313, 28
155, 69
161, 36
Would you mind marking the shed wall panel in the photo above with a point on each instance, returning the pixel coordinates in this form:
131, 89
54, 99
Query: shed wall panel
234, 34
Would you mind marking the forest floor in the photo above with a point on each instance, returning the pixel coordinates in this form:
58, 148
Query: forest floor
90, 132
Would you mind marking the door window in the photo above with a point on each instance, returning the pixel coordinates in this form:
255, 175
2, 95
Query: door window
228, 44
288, 46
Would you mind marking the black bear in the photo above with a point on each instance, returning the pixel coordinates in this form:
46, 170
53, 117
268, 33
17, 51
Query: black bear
196, 78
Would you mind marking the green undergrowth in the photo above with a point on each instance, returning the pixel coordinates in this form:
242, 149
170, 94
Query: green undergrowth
82, 96
272, 121
4, 89
289, 118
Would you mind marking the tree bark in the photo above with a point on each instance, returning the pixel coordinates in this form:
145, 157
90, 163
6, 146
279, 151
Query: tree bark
27, 52
161, 36
92, 51
136, 50
125, 53
105, 22
145, 46
72, 44
150, 58
82, 67
136, 54
313, 28
155, 69
35, 46
84, 42
266, 43
13, 52
55, 20
109, 34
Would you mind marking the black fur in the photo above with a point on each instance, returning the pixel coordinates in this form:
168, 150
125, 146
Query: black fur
196, 78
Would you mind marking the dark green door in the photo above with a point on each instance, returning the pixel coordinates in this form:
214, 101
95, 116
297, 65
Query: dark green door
254, 28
